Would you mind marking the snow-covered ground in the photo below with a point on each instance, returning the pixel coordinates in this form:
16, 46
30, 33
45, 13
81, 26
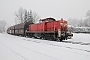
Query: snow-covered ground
22, 48
81, 37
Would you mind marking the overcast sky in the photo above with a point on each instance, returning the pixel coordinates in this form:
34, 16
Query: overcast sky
45, 8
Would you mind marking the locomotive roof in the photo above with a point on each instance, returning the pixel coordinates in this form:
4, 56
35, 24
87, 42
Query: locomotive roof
48, 18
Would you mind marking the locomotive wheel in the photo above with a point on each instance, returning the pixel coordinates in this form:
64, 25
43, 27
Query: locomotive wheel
65, 38
59, 39
35, 37
30, 36
51, 39
40, 37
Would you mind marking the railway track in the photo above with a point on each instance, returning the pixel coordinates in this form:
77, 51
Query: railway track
49, 43
72, 42
81, 43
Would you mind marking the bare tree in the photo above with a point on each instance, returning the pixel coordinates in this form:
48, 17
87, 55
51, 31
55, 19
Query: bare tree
22, 16
87, 20
35, 17
32, 17
25, 16
74, 22
19, 15
81, 22
88, 13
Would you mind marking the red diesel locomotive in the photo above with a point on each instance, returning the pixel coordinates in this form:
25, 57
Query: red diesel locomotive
48, 29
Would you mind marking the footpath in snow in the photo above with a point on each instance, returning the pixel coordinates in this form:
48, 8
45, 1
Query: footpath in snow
22, 48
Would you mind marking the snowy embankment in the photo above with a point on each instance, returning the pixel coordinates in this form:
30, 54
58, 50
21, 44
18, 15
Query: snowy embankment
21, 48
